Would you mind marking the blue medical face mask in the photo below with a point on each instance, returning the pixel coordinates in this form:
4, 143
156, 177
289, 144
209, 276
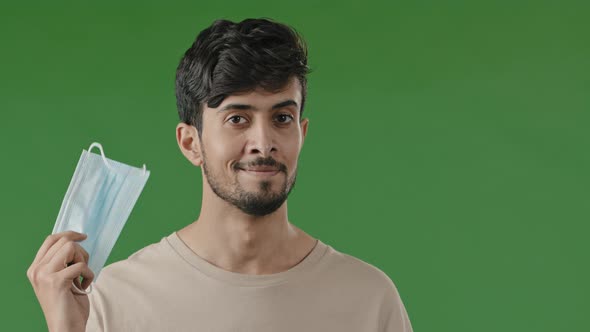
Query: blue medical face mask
98, 202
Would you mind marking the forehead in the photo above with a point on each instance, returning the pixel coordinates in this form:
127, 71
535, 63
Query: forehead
261, 99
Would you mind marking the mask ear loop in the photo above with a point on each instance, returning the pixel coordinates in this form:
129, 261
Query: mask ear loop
81, 292
104, 158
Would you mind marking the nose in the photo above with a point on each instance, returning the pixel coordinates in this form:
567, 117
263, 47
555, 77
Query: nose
261, 140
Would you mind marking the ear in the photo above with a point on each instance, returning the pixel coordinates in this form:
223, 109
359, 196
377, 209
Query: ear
304, 124
188, 141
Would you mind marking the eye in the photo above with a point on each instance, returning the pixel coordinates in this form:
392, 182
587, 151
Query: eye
281, 116
235, 117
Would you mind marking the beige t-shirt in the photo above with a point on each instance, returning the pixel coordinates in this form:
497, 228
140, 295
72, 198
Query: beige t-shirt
167, 287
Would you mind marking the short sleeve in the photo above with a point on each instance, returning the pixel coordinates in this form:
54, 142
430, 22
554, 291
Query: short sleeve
398, 320
394, 317
95, 321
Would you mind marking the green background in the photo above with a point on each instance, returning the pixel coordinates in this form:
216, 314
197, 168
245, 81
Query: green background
448, 142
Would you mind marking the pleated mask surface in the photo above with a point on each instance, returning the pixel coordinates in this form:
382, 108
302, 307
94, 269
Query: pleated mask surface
98, 203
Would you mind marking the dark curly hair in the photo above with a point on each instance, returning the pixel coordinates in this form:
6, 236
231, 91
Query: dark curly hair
229, 57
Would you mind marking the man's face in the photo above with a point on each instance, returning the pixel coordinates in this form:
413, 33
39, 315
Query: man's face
250, 150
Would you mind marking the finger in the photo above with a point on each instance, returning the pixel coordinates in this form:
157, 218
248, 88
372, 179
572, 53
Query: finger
60, 239
52, 239
85, 254
70, 252
87, 281
53, 250
76, 270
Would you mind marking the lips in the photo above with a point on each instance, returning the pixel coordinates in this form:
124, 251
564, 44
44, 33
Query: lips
262, 169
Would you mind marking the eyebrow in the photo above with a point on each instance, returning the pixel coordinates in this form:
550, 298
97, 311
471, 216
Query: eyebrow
289, 102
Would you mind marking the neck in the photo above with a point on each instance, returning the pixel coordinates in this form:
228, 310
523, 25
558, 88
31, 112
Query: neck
237, 242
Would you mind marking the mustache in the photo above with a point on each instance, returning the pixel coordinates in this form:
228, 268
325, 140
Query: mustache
261, 162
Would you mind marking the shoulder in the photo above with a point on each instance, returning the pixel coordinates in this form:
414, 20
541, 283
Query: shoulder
359, 271
145, 260
366, 281
118, 286
353, 277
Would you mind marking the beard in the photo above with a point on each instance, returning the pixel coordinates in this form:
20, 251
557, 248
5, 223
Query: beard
255, 203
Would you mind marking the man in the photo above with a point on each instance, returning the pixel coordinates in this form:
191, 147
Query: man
241, 266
